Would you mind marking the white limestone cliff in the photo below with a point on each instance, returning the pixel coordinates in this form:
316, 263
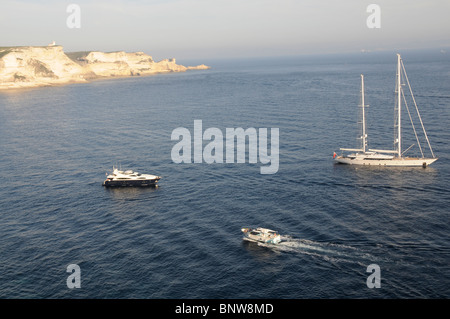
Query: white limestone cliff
22, 67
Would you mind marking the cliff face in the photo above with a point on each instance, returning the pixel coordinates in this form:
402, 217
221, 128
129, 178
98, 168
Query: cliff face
126, 64
41, 66
36, 66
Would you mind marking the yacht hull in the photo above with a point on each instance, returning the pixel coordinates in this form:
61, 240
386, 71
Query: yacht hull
404, 161
130, 183
275, 240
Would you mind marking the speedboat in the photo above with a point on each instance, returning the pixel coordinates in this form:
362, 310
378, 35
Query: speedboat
262, 235
120, 178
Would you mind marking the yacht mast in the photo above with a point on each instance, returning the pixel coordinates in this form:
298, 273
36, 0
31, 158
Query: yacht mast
364, 135
399, 101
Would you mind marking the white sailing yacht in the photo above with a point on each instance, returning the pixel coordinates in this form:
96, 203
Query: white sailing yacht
365, 156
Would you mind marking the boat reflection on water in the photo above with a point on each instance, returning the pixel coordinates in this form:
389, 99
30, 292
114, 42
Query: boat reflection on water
261, 252
265, 255
373, 176
130, 193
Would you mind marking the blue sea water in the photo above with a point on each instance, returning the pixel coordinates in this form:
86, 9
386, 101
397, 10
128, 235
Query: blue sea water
182, 239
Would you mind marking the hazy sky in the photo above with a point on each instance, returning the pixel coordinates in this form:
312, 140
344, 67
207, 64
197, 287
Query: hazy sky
221, 28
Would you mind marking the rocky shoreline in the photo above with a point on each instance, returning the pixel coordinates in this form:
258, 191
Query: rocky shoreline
27, 67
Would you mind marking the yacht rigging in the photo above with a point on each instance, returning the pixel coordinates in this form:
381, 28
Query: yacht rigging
395, 157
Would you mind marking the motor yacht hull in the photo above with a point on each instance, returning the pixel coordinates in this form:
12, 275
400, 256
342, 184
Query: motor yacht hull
129, 178
130, 183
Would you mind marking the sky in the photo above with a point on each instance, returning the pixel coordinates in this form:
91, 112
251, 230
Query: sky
227, 28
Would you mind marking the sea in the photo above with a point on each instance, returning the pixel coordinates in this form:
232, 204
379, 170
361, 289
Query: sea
348, 232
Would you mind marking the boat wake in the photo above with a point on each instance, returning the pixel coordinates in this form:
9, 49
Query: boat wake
332, 252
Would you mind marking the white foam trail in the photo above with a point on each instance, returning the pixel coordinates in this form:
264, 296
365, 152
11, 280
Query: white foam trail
331, 252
